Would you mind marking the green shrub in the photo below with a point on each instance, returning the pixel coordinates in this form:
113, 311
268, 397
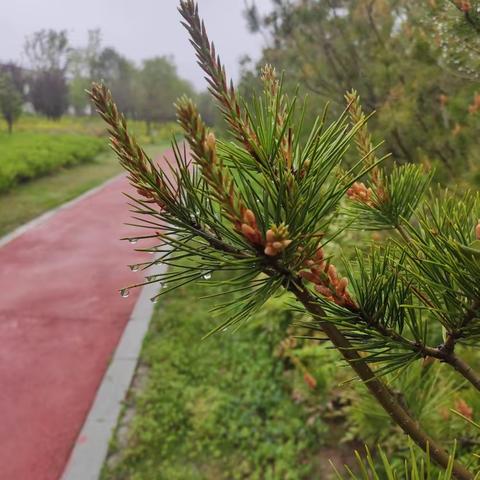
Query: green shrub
24, 156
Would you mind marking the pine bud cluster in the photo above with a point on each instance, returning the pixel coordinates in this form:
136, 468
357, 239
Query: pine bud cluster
360, 193
326, 280
277, 240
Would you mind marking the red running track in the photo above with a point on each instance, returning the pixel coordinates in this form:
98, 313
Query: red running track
61, 317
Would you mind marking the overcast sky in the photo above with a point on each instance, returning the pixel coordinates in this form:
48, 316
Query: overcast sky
137, 28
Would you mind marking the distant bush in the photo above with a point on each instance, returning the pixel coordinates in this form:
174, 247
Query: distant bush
24, 156
94, 126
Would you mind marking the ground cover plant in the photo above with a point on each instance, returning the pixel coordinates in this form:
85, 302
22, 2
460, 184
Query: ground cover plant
264, 207
219, 409
26, 156
261, 402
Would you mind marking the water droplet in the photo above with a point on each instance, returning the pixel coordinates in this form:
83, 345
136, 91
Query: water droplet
207, 276
134, 268
133, 240
124, 292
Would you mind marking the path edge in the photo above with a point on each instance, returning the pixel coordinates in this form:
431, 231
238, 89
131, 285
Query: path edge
17, 232
91, 446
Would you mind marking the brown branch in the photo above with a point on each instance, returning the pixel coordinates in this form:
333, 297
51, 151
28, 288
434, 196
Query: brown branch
376, 387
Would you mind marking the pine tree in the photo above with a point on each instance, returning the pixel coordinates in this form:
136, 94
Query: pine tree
262, 207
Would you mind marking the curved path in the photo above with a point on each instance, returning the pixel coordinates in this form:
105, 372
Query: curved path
61, 317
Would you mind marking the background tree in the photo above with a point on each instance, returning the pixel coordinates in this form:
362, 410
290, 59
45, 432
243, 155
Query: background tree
380, 48
10, 100
120, 73
83, 69
48, 52
207, 109
18, 76
159, 85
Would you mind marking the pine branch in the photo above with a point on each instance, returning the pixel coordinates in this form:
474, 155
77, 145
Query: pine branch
280, 249
217, 79
378, 200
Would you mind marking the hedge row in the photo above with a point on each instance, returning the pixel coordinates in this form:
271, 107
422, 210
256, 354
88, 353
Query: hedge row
24, 156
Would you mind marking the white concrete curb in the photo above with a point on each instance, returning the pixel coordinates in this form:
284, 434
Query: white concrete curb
90, 451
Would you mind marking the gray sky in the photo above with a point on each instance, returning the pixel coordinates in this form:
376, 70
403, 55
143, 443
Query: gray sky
136, 28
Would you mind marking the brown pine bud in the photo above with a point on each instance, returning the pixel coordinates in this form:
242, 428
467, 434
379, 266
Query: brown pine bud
249, 232
342, 286
323, 290
249, 217
211, 141
319, 255
270, 235
465, 6
310, 276
270, 251
332, 273
462, 407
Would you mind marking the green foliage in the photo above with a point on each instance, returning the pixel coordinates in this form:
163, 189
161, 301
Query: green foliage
76, 94
456, 26
158, 87
47, 52
218, 409
444, 262
25, 156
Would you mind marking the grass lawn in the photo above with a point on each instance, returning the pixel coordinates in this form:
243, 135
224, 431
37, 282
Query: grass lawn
231, 406
30, 199
25, 156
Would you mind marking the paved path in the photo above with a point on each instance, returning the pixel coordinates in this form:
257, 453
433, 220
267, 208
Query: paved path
61, 317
